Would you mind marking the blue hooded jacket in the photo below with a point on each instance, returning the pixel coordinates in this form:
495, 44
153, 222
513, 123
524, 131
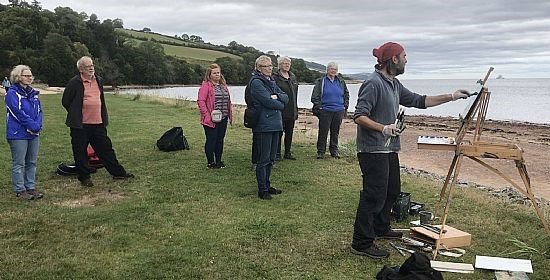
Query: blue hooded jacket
24, 113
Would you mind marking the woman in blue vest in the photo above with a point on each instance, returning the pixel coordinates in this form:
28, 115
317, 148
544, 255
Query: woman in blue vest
24, 124
330, 98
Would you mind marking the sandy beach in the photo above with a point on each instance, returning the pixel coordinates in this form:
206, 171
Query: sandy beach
534, 139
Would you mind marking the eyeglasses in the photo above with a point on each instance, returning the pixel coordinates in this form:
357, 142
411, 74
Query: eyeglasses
28, 76
266, 66
88, 66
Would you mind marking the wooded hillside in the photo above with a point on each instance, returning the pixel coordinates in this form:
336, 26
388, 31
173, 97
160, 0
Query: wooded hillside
51, 42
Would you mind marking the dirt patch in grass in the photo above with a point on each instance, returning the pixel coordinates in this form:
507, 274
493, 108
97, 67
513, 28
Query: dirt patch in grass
91, 200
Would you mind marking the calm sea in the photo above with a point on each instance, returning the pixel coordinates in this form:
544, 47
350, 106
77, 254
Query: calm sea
524, 100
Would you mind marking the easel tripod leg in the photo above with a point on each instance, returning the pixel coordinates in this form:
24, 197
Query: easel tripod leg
454, 170
527, 182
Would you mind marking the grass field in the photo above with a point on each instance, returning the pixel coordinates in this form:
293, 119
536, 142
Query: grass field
179, 220
192, 55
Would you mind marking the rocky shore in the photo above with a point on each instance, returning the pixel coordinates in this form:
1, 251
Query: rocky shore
533, 139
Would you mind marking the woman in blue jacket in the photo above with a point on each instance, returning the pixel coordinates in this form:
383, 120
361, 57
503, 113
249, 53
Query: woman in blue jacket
270, 100
23, 126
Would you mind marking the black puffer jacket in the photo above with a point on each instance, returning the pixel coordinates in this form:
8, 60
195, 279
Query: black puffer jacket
290, 87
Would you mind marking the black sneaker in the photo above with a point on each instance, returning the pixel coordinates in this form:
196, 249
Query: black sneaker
35, 193
320, 156
220, 164
272, 190
390, 234
24, 195
289, 156
373, 252
264, 195
87, 183
336, 156
124, 176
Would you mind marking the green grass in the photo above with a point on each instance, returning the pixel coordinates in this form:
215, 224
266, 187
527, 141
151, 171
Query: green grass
179, 220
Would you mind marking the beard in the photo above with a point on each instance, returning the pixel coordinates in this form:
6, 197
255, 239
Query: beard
396, 68
400, 69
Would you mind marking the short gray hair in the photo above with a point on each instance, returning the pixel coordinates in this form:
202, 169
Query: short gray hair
282, 59
15, 75
80, 60
262, 58
332, 64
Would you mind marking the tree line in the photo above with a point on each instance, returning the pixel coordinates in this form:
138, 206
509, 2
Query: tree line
51, 42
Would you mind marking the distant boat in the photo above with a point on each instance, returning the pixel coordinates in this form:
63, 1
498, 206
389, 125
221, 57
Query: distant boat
500, 77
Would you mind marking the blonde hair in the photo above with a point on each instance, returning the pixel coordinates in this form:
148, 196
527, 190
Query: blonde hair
208, 72
15, 75
260, 59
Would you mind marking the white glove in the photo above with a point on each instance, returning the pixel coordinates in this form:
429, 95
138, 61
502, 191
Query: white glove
391, 130
460, 94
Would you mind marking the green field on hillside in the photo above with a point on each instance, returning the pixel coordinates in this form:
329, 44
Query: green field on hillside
190, 54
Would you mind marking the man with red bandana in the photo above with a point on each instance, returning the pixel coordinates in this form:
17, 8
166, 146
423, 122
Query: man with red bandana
377, 107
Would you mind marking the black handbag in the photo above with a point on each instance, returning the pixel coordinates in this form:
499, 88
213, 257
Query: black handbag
251, 117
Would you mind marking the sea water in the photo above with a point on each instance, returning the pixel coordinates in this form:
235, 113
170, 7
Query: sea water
522, 100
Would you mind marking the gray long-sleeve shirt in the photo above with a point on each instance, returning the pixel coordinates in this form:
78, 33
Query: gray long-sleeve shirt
379, 99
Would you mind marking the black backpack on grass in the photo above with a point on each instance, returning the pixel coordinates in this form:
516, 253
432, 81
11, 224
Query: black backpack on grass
416, 267
173, 140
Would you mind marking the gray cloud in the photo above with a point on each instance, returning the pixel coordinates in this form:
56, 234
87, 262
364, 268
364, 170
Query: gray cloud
443, 39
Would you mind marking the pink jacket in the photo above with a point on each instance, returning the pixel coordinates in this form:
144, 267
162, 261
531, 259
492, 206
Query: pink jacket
206, 103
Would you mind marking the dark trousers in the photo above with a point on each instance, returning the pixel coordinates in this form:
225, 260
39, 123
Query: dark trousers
96, 136
213, 147
288, 130
381, 187
329, 121
266, 146
255, 153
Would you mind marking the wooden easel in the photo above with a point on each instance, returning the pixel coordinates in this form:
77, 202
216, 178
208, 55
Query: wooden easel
477, 149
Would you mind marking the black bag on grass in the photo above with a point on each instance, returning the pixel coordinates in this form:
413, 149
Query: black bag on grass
173, 140
69, 169
66, 169
416, 267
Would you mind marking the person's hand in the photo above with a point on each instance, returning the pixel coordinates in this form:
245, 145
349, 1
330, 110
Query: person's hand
33, 133
391, 130
460, 94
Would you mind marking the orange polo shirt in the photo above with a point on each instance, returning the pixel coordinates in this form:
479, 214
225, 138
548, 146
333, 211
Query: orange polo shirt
91, 106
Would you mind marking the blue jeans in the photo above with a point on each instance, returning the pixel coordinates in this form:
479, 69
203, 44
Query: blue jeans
24, 154
266, 147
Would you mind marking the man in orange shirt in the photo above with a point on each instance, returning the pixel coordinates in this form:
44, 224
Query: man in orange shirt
87, 118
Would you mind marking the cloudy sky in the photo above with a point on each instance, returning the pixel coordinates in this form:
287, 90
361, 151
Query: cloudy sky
443, 39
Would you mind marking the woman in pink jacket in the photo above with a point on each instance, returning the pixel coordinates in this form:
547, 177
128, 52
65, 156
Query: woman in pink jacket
214, 102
